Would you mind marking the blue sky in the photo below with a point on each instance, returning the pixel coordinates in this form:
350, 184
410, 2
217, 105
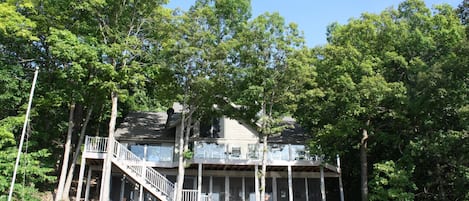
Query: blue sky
313, 16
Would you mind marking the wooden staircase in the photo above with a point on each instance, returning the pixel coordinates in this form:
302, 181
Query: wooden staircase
134, 167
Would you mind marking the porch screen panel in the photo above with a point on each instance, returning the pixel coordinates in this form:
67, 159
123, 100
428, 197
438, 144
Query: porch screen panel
282, 189
299, 189
236, 189
205, 185
332, 189
190, 182
250, 194
268, 188
314, 189
218, 191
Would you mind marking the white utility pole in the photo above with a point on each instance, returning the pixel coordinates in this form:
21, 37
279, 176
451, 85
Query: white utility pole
23, 132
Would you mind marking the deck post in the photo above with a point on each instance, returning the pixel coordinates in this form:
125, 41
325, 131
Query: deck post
290, 184
210, 188
80, 178
341, 187
227, 188
256, 182
307, 189
274, 188
121, 196
144, 172
175, 189
140, 194
199, 183
243, 188
88, 183
323, 186
106, 176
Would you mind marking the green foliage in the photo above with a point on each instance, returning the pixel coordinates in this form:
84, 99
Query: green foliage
188, 154
391, 182
12, 84
13, 24
401, 70
273, 68
7, 126
400, 74
32, 170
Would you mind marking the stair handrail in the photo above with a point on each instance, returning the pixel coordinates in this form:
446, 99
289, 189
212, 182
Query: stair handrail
160, 182
133, 162
153, 177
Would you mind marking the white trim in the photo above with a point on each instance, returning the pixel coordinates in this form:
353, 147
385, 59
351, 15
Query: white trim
243, 188
227, 188
88, 183
307, 189
323, 185
274, 188
199, 183
256, 182
290, 184
80, 178
210, 188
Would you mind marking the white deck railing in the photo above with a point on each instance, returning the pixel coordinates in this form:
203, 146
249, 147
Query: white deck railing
189, 195
128, 158
136, 165
204, 197
95, 144
160, 182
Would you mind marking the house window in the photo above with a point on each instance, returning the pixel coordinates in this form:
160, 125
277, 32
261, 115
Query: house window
210, 128
138, 150
160, 153
154, 153
253, 151
235, 152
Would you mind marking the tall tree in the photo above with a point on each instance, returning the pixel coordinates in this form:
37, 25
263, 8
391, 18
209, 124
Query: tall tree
270, 70
369, 94
201, 61
98, 48
17, 36
121, 32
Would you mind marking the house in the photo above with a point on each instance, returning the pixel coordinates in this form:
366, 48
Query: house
226, 156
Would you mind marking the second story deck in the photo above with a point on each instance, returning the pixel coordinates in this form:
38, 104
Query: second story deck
164, 155
153, 137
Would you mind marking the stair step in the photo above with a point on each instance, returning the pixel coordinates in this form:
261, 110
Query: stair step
130, 170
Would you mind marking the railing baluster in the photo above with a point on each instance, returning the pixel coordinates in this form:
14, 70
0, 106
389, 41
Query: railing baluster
132, 162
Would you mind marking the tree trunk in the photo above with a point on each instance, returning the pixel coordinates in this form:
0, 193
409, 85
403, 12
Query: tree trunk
264, 167
106, 178
71, 171
68, 141
188, 132
364, 163
180, 176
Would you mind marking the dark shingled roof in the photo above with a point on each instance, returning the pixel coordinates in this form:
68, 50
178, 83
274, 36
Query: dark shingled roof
144, 125
293, 133
140, 126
